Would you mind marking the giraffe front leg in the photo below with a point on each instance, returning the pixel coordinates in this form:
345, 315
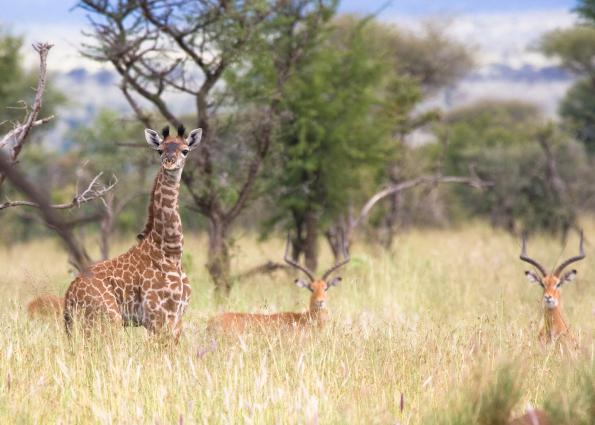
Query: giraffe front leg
163, 309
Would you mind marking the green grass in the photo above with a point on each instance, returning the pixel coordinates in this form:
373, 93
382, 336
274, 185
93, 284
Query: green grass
447, 320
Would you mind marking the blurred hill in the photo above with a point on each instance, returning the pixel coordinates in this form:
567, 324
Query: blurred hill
93, 90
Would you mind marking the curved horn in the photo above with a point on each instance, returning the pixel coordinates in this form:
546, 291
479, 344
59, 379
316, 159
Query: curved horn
346, 259
296, 264
571, 260
529, 260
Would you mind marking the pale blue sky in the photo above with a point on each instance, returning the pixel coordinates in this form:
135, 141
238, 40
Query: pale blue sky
19, 12
501, 31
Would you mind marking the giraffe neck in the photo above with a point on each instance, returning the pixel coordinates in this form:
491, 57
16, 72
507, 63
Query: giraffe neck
166, 229
554, 323
150, 217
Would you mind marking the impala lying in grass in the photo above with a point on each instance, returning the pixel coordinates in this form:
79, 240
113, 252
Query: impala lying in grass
46, 306
554, 325
317, 314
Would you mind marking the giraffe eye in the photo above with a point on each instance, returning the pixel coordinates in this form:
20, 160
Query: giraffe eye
160, 152
185, 152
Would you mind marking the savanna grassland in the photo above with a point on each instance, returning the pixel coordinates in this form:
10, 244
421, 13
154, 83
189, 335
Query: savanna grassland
440, 330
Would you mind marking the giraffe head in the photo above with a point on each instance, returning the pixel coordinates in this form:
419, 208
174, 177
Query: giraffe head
551, 282
173, 149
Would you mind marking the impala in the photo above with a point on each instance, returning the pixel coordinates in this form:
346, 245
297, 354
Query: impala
46, 305
554, 325
317, 314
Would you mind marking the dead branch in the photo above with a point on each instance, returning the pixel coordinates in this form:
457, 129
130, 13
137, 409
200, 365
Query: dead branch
79, 258
473, 181
265, 268
93, 191
18, 135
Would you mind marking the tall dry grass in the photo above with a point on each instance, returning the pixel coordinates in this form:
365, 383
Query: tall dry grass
441, 330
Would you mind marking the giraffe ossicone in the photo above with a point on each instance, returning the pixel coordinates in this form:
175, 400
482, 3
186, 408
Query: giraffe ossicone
145, 286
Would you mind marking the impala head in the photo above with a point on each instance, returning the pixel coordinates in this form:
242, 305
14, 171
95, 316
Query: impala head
173, 149
318, 287
551, 282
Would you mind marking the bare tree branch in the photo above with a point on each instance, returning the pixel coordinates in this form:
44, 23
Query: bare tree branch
13, 135
19, 134
265, 268
79, 258
93, 191
472, 181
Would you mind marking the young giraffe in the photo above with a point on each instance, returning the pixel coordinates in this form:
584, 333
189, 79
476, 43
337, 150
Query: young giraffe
554, 325
145, 286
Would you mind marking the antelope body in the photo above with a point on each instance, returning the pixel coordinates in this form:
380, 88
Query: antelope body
317, 313
46, 306
554, 325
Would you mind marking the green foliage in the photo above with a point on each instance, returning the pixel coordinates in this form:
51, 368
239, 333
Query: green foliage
101, 139
586, 9
578, 406
488, 399
578, 111
575, 47
416, 55
501, 139
343, 104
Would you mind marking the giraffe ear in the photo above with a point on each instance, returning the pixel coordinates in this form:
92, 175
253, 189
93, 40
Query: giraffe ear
153, 138
193, 139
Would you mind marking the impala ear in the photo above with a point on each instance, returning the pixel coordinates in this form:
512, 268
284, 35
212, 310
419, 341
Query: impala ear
301, 283
153, 138
334, 281
194, 138
567, 277
533, 278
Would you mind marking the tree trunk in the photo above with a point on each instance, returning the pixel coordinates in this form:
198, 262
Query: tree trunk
219, 262
311, 240
297, 242
339, 235
106, 226
391, 219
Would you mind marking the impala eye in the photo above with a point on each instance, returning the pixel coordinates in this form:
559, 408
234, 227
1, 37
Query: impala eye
185, 152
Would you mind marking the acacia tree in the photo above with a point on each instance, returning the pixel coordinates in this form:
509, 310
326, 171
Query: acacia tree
186, 47
534, 167
340, 103
349, 104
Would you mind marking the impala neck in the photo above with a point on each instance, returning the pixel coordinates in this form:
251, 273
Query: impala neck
554, 323
319, 315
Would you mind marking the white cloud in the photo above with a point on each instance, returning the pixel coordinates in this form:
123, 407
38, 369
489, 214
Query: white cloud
505, 38
67, 40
